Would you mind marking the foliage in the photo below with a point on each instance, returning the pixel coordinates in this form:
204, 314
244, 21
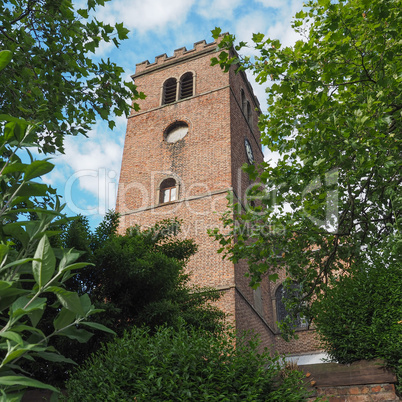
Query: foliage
52, 77
360, 315
334, 118
137, 279
30, 269
141, 276
184, 364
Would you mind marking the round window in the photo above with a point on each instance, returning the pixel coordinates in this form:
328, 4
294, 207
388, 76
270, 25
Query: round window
176, 132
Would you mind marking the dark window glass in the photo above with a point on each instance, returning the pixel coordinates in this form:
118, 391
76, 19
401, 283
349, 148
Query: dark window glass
243, 101
248, 111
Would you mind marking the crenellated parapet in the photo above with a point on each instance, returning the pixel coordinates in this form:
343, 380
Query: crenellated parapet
199, 48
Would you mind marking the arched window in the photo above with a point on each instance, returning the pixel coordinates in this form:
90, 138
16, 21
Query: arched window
176, 131
248, 112
243, 101
186, 85
168, 191
169, 91
281, 295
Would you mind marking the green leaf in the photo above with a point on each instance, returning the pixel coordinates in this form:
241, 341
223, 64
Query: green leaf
68, 257
63, 319
216, 32
69, 300
258, 38
12, 336
81, 335
98, 326
55, 357
77, 265
14, 167
122, 31
15, 230
45, 262
86, 303
18, 262
273, 277
5, 285
82, 12
13, 380
3, 252
24, 305
5, 58
35, 316
37, 168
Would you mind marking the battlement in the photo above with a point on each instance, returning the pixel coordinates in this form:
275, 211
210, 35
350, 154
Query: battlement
179, 54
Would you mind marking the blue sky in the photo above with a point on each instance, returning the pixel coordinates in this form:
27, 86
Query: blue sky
87, 174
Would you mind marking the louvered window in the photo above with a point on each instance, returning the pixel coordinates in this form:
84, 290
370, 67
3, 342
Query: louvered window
186, 86
169, 91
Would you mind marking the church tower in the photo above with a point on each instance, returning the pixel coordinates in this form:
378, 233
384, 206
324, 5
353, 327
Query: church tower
183, 153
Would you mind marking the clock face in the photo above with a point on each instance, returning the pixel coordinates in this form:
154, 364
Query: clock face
249, 151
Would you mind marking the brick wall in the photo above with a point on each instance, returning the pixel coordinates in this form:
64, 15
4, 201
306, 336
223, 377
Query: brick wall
357, 393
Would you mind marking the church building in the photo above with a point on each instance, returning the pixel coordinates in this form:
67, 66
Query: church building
183, 153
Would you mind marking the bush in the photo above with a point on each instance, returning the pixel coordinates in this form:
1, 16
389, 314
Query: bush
184, 364
359, 318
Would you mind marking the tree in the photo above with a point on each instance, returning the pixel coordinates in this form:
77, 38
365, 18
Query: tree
333, 201
360, 315
52, 78
138, 279
30, 269
184, 364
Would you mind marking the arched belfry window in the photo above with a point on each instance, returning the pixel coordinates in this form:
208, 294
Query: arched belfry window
281, 295
168, 190
169, 91
186, 86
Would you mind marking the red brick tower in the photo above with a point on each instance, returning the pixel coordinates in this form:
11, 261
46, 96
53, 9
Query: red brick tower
183, 152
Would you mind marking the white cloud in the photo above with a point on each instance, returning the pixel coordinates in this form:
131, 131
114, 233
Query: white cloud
144, 16
271, 3
88, 172
212, 9
247, 25
271, 157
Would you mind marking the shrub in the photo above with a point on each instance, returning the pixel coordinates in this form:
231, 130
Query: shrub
184, 364
359, 318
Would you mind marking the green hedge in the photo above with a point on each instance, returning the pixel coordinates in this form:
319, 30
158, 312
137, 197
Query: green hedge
360, 317
184, 365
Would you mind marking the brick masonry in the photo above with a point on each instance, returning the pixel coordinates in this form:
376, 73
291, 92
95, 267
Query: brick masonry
206, 163
357, 393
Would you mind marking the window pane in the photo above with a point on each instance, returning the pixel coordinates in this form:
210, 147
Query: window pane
166, 195
173, 194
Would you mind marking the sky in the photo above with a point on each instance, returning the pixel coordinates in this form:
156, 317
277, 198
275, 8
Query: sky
87, 174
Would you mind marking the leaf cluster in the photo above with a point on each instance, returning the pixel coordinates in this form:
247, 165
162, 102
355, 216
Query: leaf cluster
184, 364
52, 77
360, 315
33, 275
